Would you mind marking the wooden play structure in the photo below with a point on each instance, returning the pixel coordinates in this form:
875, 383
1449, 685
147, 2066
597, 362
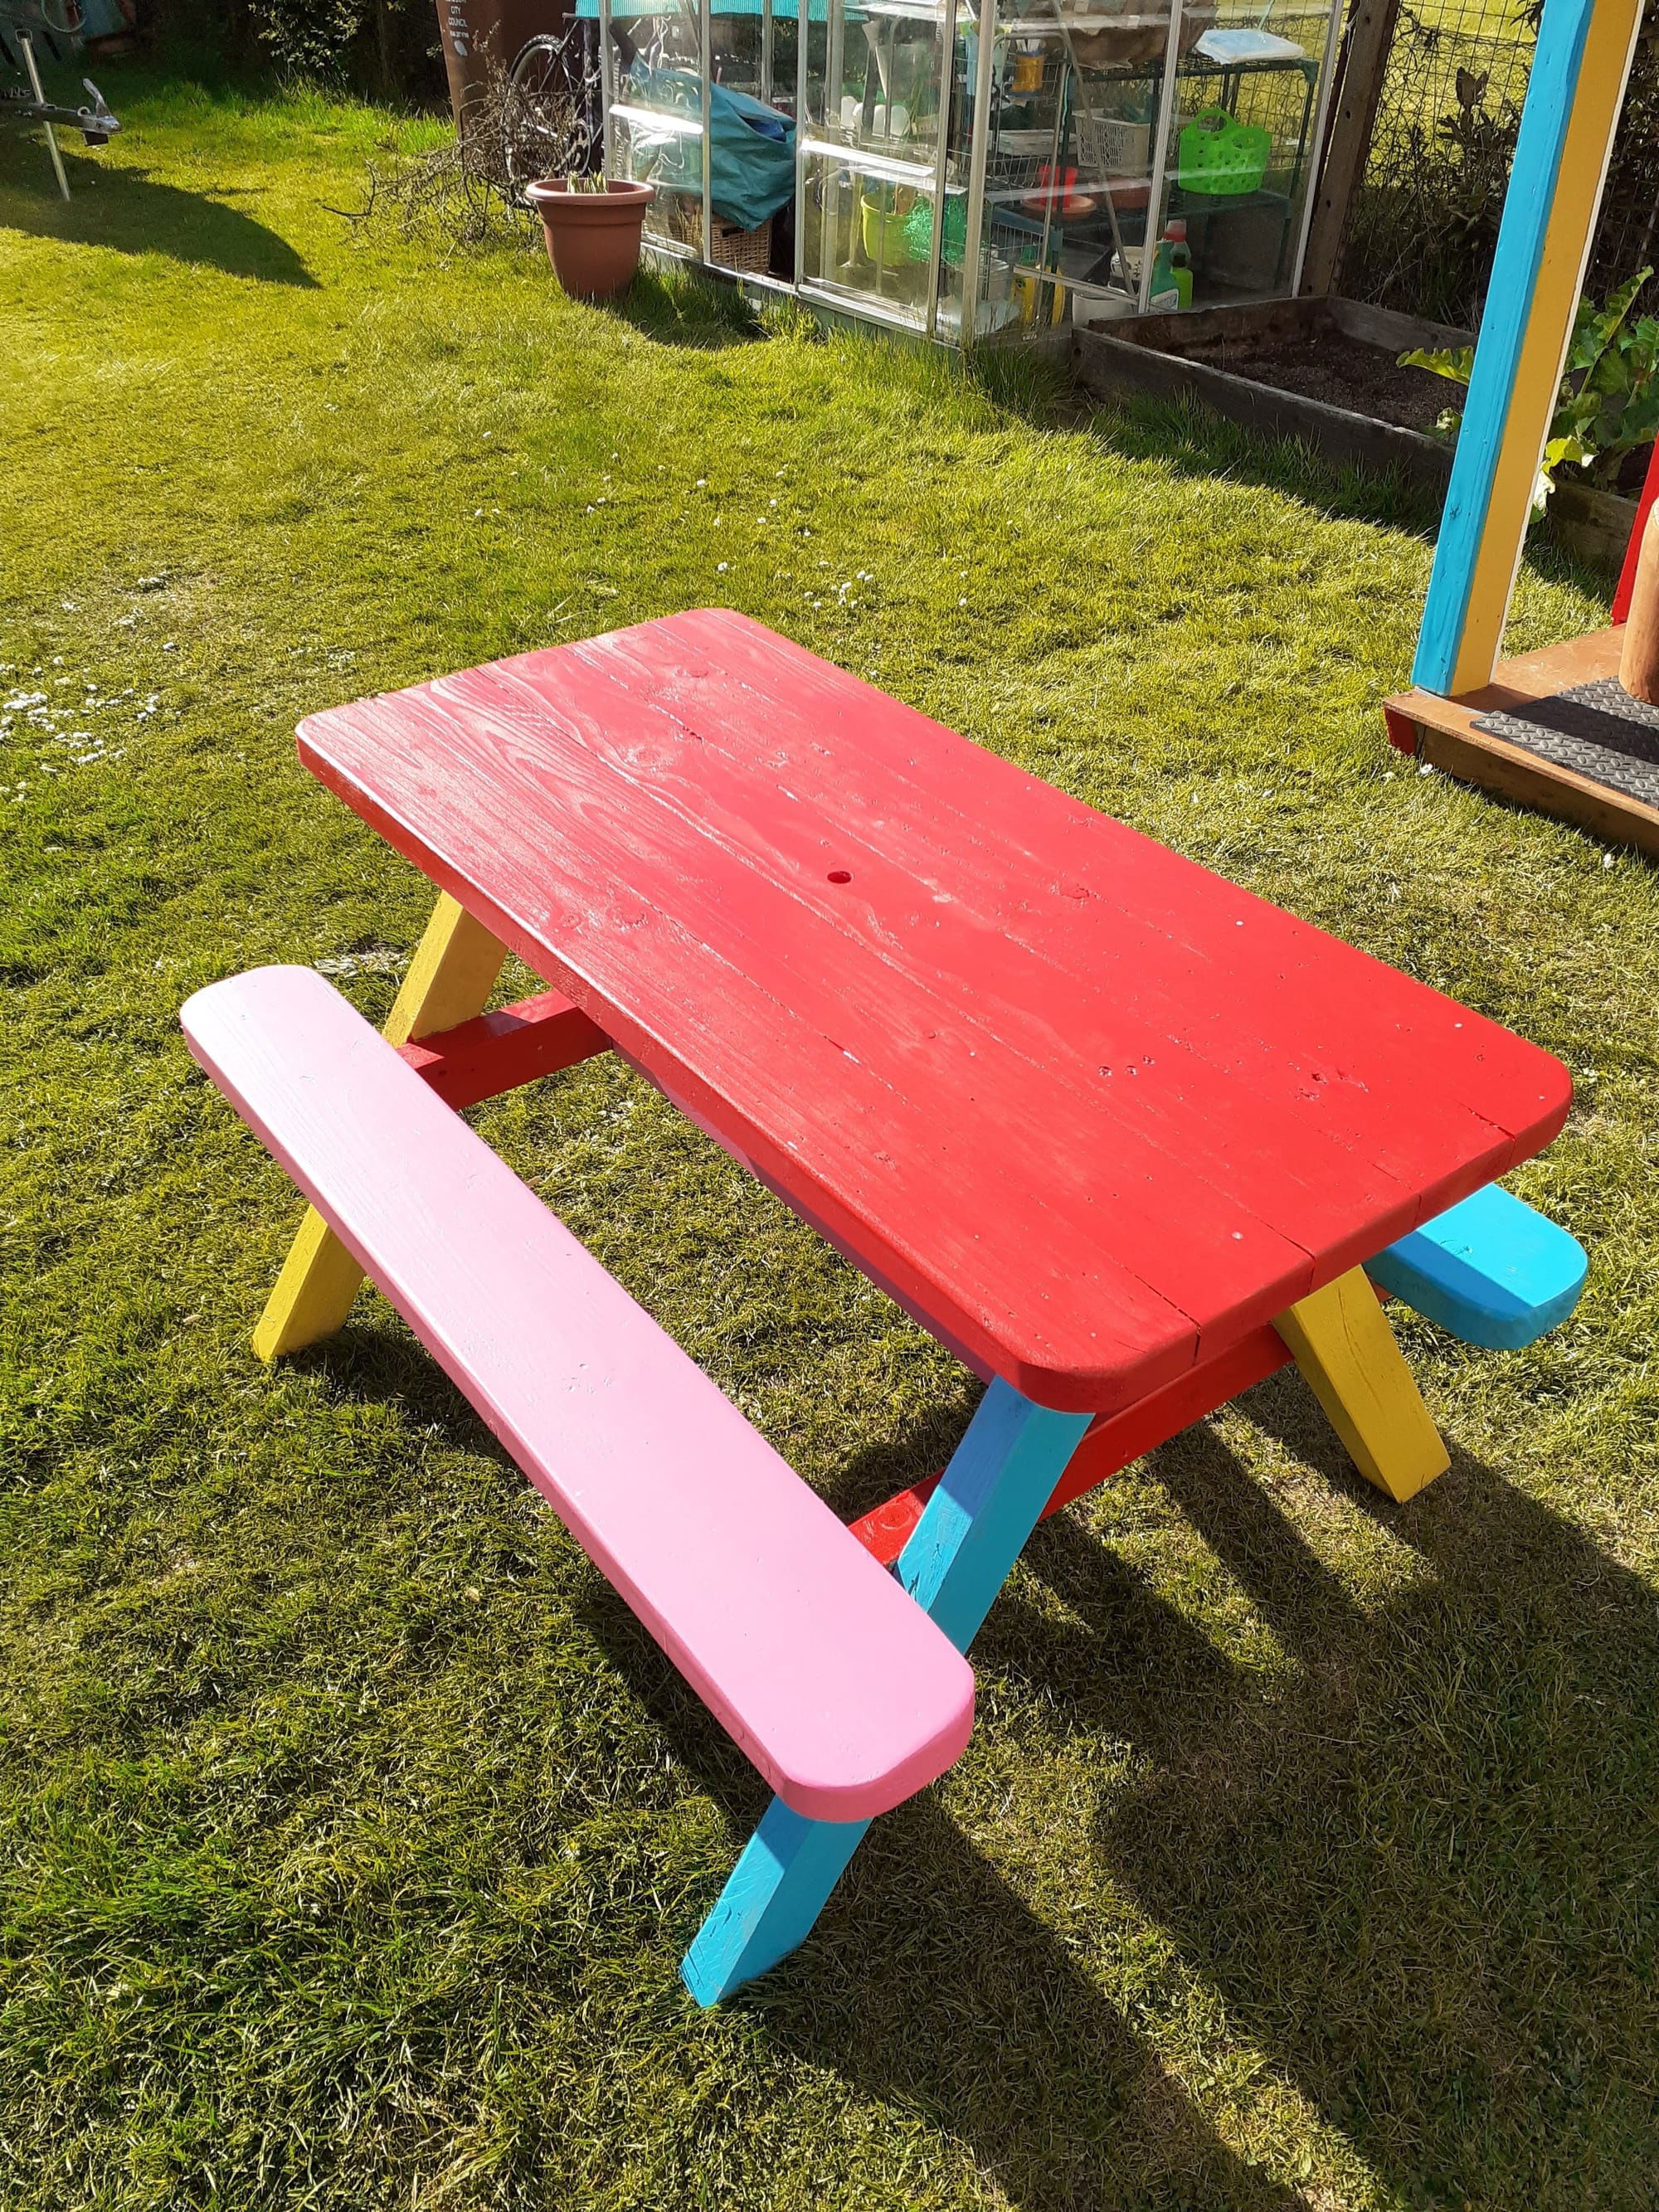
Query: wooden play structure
1554, 728
1123, 1137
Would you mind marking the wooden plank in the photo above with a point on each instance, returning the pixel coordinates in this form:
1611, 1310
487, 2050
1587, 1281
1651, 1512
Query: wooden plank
1341, 1342
1478, 756
983, 1508
771, 1900
1113, 1441
1442, 732
1196, 333
501, 1051
1118, 1439
887, 1528
1387, 327
1107, 365
831, 1680
1492, 1271
1365, 45
313, 1293
452, 975
1088, 1107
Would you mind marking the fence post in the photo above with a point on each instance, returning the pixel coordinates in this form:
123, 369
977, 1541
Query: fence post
1366, 48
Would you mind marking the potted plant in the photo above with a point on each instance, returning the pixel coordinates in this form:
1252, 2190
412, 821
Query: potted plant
552, 151
593, 226
1607, 415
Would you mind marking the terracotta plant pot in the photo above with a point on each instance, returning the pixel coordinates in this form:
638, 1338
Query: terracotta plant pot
593, 238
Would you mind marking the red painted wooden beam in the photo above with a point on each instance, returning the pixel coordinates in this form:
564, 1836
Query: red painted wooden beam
1115, 1440
499, 1052
1621, 598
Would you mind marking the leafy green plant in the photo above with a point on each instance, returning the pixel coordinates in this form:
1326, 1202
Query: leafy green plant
1608, 403
391, 47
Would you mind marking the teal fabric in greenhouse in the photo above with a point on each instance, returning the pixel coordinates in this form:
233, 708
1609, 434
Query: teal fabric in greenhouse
751, 158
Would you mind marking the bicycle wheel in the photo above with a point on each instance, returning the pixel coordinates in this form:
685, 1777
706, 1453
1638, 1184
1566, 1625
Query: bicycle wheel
551, 113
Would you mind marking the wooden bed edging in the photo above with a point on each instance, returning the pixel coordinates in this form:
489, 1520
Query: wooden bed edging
1161, 356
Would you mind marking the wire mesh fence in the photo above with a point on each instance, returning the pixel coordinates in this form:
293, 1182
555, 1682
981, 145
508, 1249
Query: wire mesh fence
1627, 235
1423, 221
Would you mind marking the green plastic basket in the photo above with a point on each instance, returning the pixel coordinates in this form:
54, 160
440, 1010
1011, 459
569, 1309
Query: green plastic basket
953, 241
1218, 154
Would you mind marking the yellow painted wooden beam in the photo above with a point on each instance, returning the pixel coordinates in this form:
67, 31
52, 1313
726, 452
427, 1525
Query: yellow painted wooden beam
1574, 93
451, 977
1594, 117
1342, 1340
449, 980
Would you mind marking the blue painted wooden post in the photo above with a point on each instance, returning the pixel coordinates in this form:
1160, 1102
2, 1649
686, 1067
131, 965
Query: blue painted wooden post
972, 1529
1573, 97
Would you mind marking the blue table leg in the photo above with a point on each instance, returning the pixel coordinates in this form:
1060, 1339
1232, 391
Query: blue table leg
972, 1529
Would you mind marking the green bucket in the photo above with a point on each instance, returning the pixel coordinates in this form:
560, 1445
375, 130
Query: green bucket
888, 221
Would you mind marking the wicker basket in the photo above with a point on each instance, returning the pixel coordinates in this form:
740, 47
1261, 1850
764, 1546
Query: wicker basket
749, 251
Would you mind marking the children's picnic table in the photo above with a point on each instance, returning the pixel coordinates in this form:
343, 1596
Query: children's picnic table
1122, 1136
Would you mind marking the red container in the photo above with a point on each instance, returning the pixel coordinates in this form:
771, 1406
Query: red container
593, 237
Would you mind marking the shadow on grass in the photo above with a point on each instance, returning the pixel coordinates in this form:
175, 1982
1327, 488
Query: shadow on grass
933, 1986
1418, 1878
686, 311
1422, 1882
129, 211
1198, 442
930, 1983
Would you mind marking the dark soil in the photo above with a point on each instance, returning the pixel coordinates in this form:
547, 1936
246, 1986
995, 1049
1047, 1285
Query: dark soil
1344, 372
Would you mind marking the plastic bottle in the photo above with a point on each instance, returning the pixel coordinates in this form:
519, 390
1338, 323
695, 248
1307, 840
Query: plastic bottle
1181, 258
1172, 271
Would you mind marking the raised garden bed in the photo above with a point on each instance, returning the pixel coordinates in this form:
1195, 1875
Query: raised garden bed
1592, 524
1322, 370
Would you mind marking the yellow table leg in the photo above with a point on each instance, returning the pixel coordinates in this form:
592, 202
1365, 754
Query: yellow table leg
449, 980
1342, 1343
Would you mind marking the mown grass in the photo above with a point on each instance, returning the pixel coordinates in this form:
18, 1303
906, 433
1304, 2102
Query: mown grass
350, 1830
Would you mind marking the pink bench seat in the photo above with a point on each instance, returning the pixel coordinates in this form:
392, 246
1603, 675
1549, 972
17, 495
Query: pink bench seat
833, 1682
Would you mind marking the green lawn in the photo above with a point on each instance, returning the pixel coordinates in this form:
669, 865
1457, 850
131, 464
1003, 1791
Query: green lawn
350, 1832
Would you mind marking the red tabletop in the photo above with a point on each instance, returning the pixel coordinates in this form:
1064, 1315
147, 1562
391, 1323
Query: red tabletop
1085, 1108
